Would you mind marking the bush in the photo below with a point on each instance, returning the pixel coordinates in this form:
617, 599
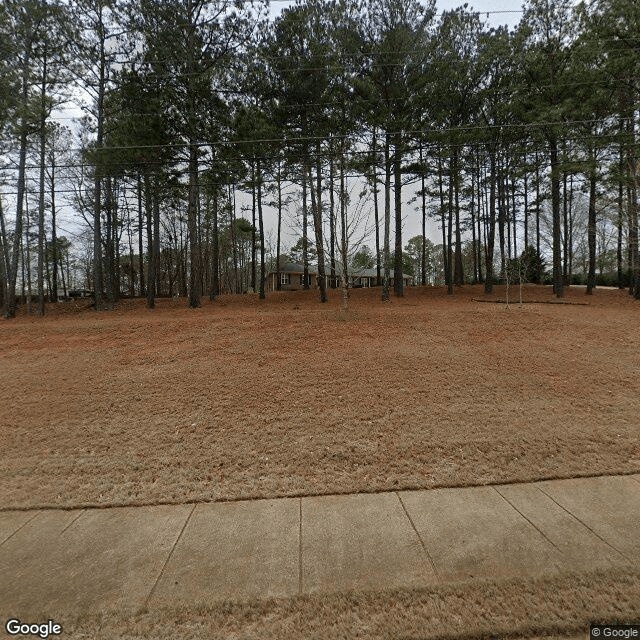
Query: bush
527, 267
610, 279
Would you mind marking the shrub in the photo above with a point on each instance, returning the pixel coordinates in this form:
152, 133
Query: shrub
527, 267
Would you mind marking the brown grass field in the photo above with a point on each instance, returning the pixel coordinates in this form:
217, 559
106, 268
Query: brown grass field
247, 398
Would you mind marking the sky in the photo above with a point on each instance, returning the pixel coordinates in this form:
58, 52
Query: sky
497, 12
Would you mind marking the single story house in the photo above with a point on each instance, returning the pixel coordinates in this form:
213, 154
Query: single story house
292, 277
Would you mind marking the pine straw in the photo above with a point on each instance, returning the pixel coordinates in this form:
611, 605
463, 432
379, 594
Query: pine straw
541, 609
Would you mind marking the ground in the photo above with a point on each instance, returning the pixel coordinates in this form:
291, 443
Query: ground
246, 398
559, 608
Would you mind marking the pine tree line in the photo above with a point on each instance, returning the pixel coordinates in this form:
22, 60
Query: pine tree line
517, 142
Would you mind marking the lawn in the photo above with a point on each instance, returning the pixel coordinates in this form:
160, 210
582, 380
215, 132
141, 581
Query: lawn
246, 398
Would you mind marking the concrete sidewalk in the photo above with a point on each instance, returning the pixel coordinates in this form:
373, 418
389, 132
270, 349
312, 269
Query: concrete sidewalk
79, 561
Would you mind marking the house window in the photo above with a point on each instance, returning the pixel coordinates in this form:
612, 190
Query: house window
284, 278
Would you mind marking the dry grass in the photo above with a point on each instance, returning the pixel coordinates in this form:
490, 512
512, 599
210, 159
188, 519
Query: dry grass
244, 398
542, 609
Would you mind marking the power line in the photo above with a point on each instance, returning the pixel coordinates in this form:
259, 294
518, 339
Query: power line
431, 131
243, 66
525, 153
613, 82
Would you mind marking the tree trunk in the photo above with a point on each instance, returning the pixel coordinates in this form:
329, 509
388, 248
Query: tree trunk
151, 260
539, 269
253, 226
305, 239
565, 230
507, 208
488, 283
156, 235
140, 228
195, 273
5, 266
132, 290
443, 222
387, 217
278, 241
261, 223
481, 214
345, 236
54, 233
591, 230
47, 270
450, 230
27, 251
192, 221
97, 185
570, 257
398, 281
64, 283
12, 276
459, 269
316, 206
633, 230
376, 212
215, 258
43, 121
501, 220
472, 211
109, 233
234, 246
558, 284
515, 217
423, 261
332, 222
620, 208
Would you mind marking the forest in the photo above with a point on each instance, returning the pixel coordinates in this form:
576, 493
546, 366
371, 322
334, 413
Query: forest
345, 118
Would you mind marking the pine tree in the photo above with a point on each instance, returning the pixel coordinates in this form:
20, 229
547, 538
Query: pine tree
549, 34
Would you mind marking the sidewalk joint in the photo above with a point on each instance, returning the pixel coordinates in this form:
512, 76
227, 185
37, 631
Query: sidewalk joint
166, 562
424, 546
73, 521
22, 526
551, 542
584, 524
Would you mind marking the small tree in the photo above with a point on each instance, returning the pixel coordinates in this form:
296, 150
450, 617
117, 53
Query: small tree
363, 258
296, 252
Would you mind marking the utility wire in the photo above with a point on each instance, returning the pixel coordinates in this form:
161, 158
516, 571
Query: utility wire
285, 140
364, 175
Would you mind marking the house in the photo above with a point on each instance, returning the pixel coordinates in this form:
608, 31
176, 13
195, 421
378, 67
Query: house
75, 294
292, 277
369, 278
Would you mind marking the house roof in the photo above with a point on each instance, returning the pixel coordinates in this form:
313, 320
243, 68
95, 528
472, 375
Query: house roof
369, 273
292, 267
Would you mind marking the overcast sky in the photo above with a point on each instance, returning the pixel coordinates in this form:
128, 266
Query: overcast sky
499, 12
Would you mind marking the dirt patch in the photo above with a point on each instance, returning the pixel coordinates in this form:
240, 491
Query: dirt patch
247, 398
